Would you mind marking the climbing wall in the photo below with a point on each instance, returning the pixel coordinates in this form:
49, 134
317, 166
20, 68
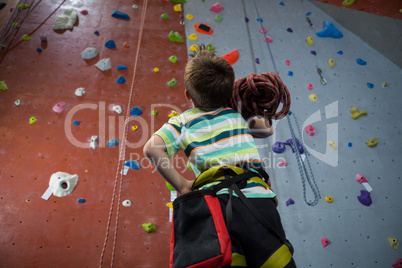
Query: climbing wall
358, 234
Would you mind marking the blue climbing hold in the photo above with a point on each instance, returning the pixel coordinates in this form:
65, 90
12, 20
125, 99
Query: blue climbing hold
370, 85
81, 200
120, 15
281, 3
112, 142
257, 60
121, 67
340, 52
260, 20
290, 73
136, 111
76, 123
350, 144
121, 80
361, 62
39, 49
110, 44
290, 30
330, 31
133, 164
308, 13
96, 32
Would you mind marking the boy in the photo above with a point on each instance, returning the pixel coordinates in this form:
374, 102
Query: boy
213, 135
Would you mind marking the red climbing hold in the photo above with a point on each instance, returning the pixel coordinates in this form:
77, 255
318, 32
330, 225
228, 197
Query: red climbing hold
203, 28
398, 263
325, 242
231, 57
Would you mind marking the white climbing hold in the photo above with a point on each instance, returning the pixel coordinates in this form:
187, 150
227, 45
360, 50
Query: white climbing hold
80, 91
66, 21
62, 183
89, 53
126, 203
117, 109
17, 102
94, 142
104, 64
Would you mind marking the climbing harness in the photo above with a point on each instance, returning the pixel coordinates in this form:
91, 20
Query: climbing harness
122, 152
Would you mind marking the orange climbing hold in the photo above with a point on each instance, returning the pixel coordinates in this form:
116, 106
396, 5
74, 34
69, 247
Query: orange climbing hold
231, 57
126, 44
203, 28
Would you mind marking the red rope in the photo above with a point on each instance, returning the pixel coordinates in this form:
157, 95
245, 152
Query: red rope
255, 93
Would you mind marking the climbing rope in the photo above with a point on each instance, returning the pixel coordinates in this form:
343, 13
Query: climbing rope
119, 175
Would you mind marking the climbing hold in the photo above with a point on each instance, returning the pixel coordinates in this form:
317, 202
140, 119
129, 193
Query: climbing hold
84, 12
154, 112
15, 25
26, 37
356, 113
372, 143
117, 109
173, 114
136, 111
132, 164
110, 44
290, 202
281, 3
260, 20
126, 203
39, 49
156, 69
43, 38
170, 205
192, 37
267, 39
121, 80
89, 53
313, 52
134, 6
325, 242
385, 84
23, 6
94, 142
283, 164
172, 82
170, 187
165, 16
299, 145
393, 242
332, 144
398, 262
203, 28
66, 20
104, 64
112, 142
120, 15
309, 86
189, 17
370, 85
121, 67
59, 107
361, 62
329, 30
310, 40
331, 62
360, 178
2, 5
329, 199
340, 52
310, 130
194, 48
76, 123
287, 62
290, 73
308, 13
149, 227
32, 120
175, 37
349, 144
289, 30
60, 179
3, 85
348, 2
81, 200
313, 97
217, 7
278, 147
263, 31
257, 60
177, 8
218, 18
126, 45
246, 19
365, 198
134, 128
231, 57
210, 47
80, 91
17, 102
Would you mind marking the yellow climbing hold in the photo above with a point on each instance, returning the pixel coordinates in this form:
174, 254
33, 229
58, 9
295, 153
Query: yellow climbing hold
331, 62
329, 199
189, 17
193, 37
170, 205
3, 85
313, 97
177, 8
156, 69
32, 120
356, 113
385, 84
372, 143
26, 37
135, 128
393, 242
310, 40
332, 144
22, 6
194, 48
348, 2
173, 114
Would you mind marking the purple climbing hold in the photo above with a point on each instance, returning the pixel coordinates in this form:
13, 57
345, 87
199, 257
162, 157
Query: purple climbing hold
365, 198
329, 30
290, 202
121, 79
278, 147
299, 145
313, 52
110, 44
257, 60
246, 19
120, 15
290, 30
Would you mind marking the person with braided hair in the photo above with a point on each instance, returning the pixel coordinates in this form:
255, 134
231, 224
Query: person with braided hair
217, 136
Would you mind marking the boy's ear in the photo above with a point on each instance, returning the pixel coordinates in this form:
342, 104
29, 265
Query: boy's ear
187, 95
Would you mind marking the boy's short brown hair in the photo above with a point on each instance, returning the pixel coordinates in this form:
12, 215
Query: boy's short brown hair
209, 79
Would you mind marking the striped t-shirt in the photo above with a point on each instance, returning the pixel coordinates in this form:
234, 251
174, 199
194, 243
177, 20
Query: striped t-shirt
210, 137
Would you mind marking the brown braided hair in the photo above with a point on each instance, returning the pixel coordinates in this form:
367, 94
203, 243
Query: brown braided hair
255, 93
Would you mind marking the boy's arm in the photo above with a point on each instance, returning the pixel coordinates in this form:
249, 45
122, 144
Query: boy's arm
155, 151
260, 128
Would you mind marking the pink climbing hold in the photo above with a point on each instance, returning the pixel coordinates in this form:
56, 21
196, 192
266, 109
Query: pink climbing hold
283, 164
398, 263
287, 62
267, 38
217, 7
325, 242
310, 130
360, 178
309, 86
265, 30
59, 107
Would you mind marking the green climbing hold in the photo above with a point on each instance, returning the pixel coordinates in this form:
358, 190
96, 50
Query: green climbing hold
149, 227
178, 37
172, 82
218, 18
170, 187
154, 112
3, 85
26, 37
173, 58
22, 6
210, 47
165, 16
179, 1
172, 36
